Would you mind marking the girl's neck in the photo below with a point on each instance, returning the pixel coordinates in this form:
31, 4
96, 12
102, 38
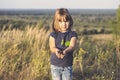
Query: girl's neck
64, 31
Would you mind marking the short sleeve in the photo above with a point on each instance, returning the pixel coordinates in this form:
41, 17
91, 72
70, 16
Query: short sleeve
53, 34
74, 34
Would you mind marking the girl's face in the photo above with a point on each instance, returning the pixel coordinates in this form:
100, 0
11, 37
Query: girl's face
63, 24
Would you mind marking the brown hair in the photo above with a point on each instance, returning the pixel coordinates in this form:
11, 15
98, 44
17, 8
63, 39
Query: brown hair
61, 14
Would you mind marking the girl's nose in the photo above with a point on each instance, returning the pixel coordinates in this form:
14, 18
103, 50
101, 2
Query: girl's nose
64, 22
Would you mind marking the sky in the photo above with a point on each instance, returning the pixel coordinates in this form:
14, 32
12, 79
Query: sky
53, 4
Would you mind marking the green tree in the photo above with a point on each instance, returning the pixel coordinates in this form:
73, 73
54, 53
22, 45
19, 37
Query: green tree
116, 32
118, 40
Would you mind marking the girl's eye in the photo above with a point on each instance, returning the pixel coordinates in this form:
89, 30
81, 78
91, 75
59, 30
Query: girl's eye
63, 21
67, 21
59, 19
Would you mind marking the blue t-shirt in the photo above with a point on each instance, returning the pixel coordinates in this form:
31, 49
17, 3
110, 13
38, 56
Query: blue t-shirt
62, 41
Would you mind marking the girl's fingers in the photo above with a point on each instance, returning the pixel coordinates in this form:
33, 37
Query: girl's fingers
62, 56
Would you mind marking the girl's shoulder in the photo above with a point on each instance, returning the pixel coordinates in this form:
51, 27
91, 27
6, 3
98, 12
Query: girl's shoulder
53, 34
73, 34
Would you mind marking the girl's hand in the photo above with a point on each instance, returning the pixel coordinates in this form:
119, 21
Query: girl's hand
63, 54
57, 54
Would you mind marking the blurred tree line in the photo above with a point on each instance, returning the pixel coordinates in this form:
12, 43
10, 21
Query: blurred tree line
84, 23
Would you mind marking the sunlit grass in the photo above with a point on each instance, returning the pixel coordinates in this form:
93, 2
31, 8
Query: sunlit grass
24, 55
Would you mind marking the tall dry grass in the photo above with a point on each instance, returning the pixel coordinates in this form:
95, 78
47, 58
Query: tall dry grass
96, 60
23, 54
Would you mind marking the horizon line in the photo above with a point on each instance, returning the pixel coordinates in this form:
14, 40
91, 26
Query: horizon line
53, 8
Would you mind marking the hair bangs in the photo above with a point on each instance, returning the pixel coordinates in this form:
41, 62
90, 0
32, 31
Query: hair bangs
62, 18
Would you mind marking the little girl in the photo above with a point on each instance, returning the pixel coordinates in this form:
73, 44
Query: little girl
62, 42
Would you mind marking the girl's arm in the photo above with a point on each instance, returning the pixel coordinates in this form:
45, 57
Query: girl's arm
71, 46
53, 48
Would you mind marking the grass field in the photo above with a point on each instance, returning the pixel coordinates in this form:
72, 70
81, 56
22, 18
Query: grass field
24, 55
106, 37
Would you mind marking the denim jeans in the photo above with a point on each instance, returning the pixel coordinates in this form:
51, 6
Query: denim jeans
61, 73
